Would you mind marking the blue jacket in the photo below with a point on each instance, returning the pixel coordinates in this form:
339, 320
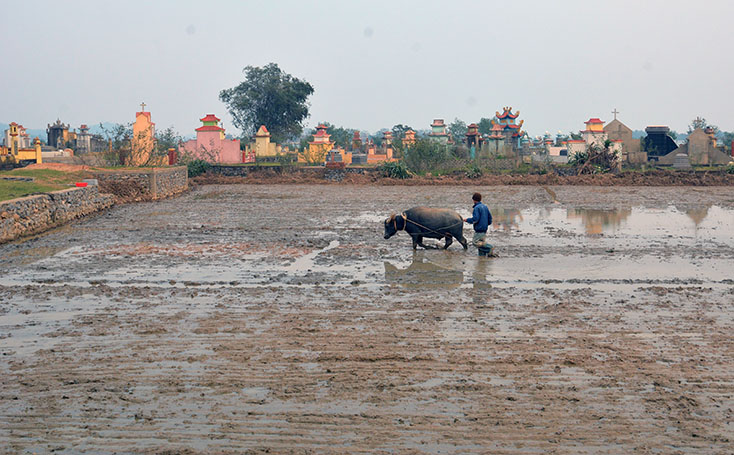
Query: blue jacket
481, 218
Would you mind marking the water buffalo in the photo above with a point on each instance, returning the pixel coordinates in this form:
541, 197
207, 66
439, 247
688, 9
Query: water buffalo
422, 222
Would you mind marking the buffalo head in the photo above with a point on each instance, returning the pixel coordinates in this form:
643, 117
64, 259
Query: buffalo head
391, 227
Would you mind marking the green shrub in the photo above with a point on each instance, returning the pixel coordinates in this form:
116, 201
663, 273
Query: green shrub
473, 171
730, 169
197, 167
578, 159
425, 155
395, 170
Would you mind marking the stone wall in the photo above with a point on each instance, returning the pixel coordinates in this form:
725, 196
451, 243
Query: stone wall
32, 214
233, 171
143, 184
170, 181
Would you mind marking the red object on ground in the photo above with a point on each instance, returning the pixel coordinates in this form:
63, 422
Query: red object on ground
81, 184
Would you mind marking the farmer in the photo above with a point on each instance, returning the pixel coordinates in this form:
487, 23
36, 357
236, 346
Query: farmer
481, 219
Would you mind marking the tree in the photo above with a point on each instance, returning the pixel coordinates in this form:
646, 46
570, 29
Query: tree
485, 125
342, 137
119, 140
377, 137
398, 131
457, 128
269, 97
726, 138
167, 139
700, 122
398, 134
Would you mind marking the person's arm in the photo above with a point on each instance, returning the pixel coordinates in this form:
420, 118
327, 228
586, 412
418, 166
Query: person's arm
474, 216
490, 217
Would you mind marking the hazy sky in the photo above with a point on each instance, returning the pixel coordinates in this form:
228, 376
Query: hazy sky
373, 64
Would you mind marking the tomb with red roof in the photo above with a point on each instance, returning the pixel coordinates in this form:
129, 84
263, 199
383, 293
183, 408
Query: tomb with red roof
211, 143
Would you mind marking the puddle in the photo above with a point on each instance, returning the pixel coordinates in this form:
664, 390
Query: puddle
424, 272
306, 262
705, 223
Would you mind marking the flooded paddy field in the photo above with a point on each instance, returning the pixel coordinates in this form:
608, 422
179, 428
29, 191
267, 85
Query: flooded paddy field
276, 319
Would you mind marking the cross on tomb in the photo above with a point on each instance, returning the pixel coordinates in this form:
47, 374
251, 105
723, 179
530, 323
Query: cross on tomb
142, 107
615, 112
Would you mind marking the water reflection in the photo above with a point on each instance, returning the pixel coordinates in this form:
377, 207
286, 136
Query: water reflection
424, 273
506, 219
697, 214
596, 221
440, 269
673, 220
481, 271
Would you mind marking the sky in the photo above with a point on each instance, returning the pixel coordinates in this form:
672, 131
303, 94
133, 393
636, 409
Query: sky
373, 64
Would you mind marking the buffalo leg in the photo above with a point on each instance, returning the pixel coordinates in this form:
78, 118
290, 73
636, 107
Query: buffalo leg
463, 242
449, 241
427, 247
416, 241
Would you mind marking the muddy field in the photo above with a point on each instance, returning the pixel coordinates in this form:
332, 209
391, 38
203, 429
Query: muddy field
276, 319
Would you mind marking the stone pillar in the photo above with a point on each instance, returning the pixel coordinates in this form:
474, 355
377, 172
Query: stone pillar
37, 146
153, 183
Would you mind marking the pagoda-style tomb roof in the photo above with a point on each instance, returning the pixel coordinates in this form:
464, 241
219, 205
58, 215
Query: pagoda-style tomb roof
209, 128
472, 130
594, 125
321, 135
210, 118
507, 113
321, 131
210, 122
507, 124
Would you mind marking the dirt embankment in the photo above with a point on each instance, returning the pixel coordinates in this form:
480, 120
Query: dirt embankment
647, 178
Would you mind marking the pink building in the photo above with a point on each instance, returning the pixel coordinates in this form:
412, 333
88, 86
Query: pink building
211, 145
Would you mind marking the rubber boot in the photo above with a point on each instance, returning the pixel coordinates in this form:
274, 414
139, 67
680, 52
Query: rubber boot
485, 250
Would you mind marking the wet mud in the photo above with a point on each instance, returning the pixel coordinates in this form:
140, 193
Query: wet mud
276, 319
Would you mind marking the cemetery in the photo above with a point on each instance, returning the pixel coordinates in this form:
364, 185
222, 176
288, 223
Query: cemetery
266, 280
